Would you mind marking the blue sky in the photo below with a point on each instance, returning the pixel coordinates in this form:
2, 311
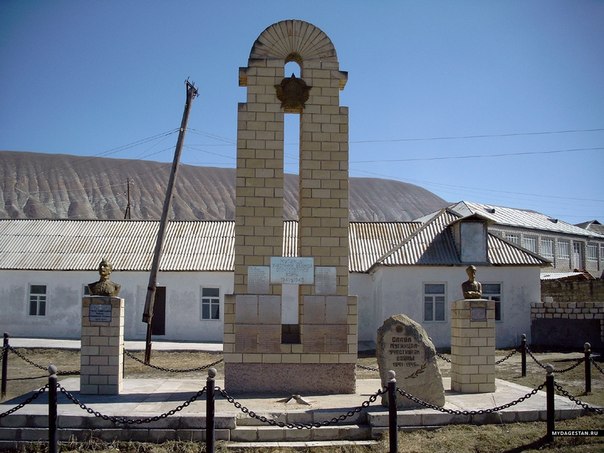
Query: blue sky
499, 102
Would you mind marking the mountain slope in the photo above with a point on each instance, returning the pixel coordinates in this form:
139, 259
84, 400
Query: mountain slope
37, 185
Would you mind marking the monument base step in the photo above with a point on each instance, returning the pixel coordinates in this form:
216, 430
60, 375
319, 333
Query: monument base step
277, 434
254, 446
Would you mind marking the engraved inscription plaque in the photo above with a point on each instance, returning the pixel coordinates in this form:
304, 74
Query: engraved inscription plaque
99, 313
258, 279
293, 271
325, 280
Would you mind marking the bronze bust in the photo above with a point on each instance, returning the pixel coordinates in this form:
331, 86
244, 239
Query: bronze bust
104, 287
471, 288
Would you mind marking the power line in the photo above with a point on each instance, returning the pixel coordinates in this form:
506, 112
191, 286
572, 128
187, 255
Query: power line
467, 137
476, 156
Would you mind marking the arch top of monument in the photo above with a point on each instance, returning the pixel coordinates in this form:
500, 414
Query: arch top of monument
293, 40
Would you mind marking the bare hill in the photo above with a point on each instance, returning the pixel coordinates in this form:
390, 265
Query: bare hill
36, 186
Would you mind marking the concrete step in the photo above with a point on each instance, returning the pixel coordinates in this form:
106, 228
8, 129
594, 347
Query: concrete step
276, 434
277, 446
303, 417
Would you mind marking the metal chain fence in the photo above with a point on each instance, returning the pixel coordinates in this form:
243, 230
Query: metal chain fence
171, 370
500, 361
129, 421
477, 412
45, 368
577, 401
26, 402
271, 422
413, 375
564, 370
596, 365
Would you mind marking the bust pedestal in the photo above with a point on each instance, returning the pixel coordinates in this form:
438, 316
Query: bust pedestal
101, 358
473, 346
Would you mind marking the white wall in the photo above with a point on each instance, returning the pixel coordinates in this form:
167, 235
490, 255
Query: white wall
402, 292
63, 307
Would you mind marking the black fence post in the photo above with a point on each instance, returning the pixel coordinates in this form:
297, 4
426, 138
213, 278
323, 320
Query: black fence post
587, 349
392, 415
52, 409
523, 351
210, 387
551, 412
4, 365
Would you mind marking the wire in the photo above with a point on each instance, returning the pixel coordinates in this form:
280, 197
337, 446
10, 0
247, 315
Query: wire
477, 156
467, 137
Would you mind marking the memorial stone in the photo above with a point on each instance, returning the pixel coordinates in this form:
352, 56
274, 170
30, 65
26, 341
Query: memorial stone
404, 347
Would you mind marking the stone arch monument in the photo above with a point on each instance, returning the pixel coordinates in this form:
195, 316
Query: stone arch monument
290, 325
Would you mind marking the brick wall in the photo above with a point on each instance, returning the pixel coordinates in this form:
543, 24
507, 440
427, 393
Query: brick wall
585, 291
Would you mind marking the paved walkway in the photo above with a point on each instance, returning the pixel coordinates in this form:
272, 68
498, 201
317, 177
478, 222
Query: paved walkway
129, 345
151, 397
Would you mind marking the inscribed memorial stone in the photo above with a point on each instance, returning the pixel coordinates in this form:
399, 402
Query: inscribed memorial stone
404, 347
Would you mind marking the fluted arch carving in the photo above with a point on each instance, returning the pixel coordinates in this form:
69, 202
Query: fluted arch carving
293, 40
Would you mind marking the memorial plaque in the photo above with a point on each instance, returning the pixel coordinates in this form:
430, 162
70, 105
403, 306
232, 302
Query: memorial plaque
293, 271
403, 346
478, 313
325, 281
99, 313
258, 279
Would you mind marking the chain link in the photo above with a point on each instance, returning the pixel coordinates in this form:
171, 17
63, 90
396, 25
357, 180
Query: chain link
576, 400
130, 421
41, 367
413, 375
26, 402
271, 422
596, 365
564, 370
506, 357
460, 412
368, 368
172, 370
446, 359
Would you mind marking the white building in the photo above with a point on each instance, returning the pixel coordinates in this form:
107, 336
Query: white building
396, 267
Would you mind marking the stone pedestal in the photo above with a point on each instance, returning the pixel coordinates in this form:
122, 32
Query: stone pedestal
473, 346
101, 358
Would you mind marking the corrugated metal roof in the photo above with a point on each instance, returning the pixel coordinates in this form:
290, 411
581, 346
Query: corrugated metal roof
128, 245
521, 218
209, 245
368, 241
433, 245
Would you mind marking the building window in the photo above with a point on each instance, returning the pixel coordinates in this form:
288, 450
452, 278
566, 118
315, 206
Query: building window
529, 243
547, 248
514, 238
564, 249
592, 252
210, 303
492, 291
434, 301
37, 300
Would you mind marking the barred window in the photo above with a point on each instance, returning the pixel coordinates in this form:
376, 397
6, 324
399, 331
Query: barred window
592, 252
564, 249
547, 248
529, 243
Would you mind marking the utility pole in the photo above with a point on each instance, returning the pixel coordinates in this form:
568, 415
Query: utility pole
127, 215
150, 299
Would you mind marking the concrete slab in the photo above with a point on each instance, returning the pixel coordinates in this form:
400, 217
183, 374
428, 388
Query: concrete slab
128, 344
144, 398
